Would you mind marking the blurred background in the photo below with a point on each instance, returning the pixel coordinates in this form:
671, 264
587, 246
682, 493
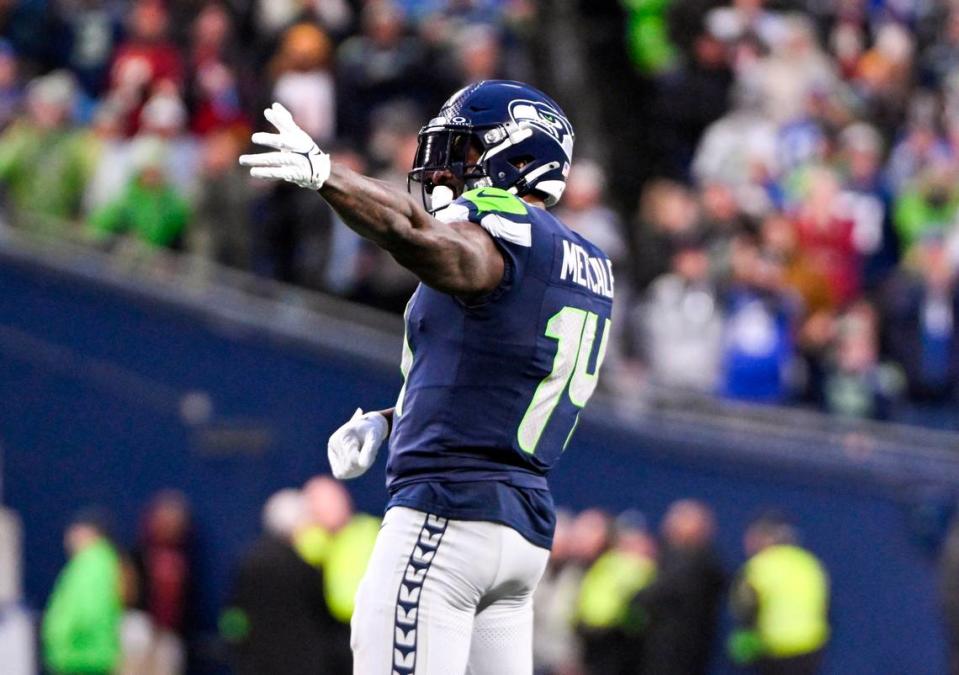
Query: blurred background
766, 480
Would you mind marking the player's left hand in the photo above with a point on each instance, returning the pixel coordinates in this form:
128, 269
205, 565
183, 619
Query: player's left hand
352, 448
298, 159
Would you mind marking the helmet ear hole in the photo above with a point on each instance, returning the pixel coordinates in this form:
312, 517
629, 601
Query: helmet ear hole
521, 161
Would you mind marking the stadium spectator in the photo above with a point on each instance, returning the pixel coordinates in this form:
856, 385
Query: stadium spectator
812, 296
164, 118
802, 140
795, 70
43, 160
392, 126
826, 234
379, 65
689, 100
221, 229
739, 146
150, 210
722, 218
81, 625
859, 160
649, 44
847, 42
556, 647
276, 620
922, 145
478, 55
800, 275
292, 240
858, 384
883, 74
92, 29
163, 563
145, 62
758, 349
919, 307
683, 600
612, 633
666, 210
780, 601
110, 160
928, 204
681, 321
215, 83
303, 80
291, 237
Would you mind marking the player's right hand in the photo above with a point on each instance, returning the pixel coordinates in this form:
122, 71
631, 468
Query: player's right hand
298, 160
352, 448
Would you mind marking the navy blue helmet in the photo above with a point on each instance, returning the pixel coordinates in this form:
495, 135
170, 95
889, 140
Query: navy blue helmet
495, 133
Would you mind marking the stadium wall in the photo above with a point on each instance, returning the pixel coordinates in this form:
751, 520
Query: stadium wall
111, 389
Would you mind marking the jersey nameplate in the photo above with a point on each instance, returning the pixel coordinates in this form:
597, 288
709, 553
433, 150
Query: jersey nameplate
592, 273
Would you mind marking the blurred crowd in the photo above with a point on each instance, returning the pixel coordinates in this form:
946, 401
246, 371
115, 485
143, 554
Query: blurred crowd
800, 243
122, 121
616, 599
780, 202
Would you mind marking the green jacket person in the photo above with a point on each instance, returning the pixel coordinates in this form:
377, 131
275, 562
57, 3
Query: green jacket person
81, 626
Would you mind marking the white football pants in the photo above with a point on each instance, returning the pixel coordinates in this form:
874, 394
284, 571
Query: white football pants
446, 597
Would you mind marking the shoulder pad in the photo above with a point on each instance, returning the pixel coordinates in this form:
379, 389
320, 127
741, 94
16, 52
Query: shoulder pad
496, 200
496, 211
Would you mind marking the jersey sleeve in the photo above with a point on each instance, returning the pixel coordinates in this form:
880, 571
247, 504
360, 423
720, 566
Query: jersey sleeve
507, 220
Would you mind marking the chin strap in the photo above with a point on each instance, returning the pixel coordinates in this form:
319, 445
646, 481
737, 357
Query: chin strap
525, 185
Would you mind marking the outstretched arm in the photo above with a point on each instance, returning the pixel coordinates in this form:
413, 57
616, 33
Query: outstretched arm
459, 258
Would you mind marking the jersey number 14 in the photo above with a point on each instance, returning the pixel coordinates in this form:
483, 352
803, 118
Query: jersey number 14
575, 333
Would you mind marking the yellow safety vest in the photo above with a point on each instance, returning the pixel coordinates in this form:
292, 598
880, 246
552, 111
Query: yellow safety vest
313, 544
792, 590
342, 557
346, 559
609, 586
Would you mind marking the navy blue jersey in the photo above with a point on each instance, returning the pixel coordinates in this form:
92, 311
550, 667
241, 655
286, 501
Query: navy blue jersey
494, 388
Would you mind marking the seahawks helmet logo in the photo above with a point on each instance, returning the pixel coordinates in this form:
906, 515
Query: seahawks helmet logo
545, 118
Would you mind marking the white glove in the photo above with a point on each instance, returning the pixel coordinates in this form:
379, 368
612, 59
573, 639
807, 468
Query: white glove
352, 448
298, 161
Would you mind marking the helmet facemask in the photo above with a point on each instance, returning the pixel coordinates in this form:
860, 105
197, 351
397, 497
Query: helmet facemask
447, 157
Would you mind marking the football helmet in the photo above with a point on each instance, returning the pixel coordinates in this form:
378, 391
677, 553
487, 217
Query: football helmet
494, 133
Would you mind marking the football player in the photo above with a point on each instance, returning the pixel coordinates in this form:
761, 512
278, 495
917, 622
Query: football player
504, 340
